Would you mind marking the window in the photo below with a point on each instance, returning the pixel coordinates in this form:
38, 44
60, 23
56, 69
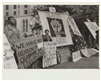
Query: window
23, 25
26, 25
7, 7
14, 12
7, 14
14, 6
25, 6
25, 11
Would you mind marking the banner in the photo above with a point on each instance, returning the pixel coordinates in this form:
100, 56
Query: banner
92, 26
57, 26
73, 26
49, 57
8, 57
76, 56
27, 51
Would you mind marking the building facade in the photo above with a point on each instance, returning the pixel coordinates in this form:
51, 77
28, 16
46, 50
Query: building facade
22, 15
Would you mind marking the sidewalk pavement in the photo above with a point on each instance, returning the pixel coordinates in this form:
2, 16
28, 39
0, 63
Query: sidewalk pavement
84, 63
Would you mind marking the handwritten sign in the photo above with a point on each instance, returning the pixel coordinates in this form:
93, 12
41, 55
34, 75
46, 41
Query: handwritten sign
27, 51
8, 57
92, 26
49, 57
76, 56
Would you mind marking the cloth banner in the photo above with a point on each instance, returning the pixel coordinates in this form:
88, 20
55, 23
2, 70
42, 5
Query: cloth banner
49, 58
57, 26
93, 27
8, 57
76, 56
27, 51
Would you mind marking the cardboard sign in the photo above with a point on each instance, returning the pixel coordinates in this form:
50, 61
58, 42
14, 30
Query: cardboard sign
92, 26
49, 57
8, 57
27, 51
57, 26
73, 26
76, 56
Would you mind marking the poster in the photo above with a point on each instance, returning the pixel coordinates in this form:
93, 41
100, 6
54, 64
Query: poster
92, 26
76, 56
49, 58
73, 26
27, 51
8, 56
57, 26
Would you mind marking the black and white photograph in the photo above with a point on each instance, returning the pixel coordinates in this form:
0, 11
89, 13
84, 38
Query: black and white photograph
50, 36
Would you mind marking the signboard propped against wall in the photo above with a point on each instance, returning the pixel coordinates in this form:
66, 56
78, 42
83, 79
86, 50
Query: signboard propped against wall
57, 26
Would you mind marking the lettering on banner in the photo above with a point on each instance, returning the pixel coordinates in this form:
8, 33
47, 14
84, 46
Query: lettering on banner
49, 57
27, 51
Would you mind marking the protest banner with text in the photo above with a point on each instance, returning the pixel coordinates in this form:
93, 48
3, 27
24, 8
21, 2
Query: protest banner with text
49, 58
27, 51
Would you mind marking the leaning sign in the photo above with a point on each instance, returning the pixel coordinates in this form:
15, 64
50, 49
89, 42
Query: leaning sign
27, 51
58, 27
92, 26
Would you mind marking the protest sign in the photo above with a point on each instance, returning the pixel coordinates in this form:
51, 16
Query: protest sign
73, 26
57, 26
8, 57
27, 51
85, 52
49, 58
9, 61
89, 52
92, 26
76, 56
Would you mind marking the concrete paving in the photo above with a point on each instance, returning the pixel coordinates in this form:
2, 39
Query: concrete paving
84, 63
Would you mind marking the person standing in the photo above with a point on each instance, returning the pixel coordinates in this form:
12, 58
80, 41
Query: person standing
47, 38
12, 34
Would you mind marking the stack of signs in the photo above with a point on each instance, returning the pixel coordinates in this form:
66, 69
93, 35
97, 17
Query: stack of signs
73, 26
92, 26
27, 51
8, 57
49, 57
87, 52
76, 56
58, 27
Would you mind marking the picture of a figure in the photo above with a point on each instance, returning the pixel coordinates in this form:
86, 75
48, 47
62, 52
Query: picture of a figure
56, 27
46, 38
